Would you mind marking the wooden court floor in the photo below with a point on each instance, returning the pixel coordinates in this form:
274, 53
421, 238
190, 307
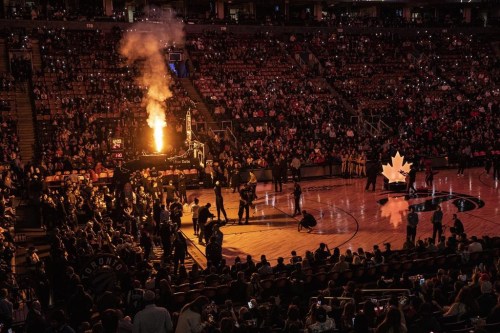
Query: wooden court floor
350, 217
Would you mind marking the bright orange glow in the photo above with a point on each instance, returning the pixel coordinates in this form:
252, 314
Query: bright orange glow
396, 172
158, 134
156, 120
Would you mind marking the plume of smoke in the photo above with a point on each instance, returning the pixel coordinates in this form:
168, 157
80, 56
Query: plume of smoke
144, 43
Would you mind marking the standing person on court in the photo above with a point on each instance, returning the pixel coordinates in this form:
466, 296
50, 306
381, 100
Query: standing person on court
180, 250
252, 182
496, 166
462, 161
295, 165
181, 188
411, 226
437, 223
297, 192
195, 209
283, 169
245, 201
235, 179
176, 211
412, 178
203, 215
371, 174
429, 175
170, 193
219, 201
277, 179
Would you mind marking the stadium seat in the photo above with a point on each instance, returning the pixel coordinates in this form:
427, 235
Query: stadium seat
209, 292
222, 293
182, 288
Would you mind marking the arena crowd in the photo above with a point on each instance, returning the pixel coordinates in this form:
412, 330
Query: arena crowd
286, 113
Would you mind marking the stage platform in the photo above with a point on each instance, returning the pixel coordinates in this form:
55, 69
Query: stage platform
350, 217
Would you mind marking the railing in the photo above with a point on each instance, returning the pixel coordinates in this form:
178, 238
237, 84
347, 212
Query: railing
209, 125
329, 299
250, 29
227, 124
382, 126
227, 133
372, 130
378, 296
375, 126
230, 133
299, 60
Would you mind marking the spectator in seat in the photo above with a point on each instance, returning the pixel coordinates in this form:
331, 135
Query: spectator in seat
239, 288
190, 316
392, 323
494, 315
475, 245
464, 306
35, 320
280, 266
342, 265
426, 322
265, 268
322, 253
6, 310
58, 323
152, 319
323, 322
293, 318
80, 306
487, 300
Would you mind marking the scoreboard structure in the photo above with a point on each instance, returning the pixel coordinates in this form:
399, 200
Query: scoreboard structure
117, 148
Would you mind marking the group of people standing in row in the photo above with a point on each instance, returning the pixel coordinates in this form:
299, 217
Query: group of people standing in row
437, 226
354, 163
247, 194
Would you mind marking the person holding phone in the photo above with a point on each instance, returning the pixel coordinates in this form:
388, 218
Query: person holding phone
323, 322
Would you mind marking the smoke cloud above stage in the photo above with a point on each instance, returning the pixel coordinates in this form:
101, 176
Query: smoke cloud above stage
144, 43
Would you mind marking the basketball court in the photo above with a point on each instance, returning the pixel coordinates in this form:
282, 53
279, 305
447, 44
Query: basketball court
350, 217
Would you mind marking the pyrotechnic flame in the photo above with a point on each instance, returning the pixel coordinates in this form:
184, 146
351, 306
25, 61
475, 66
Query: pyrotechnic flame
145, 42
157, 123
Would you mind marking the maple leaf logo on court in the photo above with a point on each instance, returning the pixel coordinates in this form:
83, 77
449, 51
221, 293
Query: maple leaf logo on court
394, 210
396, 172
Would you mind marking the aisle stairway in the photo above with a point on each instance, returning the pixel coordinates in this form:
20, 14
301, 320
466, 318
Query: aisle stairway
36, 57
194, 256
200, 104
4, 59
25, 127
496, 48
37, 237
28, 234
